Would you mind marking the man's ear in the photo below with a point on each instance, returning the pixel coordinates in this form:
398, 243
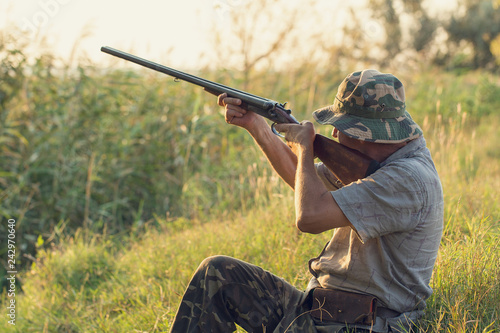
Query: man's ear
335, 133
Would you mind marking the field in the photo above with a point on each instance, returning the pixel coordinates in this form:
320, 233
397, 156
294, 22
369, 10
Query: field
121, 182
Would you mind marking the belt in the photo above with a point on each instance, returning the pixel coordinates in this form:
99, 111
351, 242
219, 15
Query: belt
346, 307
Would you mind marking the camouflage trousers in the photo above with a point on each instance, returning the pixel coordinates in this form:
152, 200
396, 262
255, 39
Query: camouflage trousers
225, 291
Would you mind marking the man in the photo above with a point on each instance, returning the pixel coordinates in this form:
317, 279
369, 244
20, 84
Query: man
373, 276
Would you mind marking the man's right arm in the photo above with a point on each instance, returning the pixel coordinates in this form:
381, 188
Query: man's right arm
279, 155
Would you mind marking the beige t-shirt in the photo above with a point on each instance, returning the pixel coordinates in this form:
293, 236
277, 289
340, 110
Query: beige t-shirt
397, 215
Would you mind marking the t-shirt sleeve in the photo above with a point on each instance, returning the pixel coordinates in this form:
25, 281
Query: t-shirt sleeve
388, 201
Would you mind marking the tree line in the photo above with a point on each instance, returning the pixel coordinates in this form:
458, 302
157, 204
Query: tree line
466, 37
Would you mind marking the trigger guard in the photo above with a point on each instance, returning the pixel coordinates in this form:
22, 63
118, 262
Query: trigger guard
276, 132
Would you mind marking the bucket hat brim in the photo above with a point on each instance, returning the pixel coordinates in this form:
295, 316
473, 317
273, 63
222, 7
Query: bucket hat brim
385, 130
370, 106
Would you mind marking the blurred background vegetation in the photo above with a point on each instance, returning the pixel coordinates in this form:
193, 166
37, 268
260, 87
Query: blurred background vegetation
119, 152
113, 148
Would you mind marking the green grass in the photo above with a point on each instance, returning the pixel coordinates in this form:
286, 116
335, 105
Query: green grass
96, 283
123, 182
87, 285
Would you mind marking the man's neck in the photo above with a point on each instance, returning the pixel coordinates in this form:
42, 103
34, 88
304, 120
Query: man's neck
380, 151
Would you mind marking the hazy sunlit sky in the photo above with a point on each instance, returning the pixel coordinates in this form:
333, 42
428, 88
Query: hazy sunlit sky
146, 26
176, 30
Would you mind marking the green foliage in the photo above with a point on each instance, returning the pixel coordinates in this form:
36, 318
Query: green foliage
121, 182
112, 149
476, 24
93, 283
462, 38
103, 149
11, 70
466, 284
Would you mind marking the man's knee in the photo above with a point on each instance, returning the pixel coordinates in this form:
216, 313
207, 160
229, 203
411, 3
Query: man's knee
219, 267
217, 262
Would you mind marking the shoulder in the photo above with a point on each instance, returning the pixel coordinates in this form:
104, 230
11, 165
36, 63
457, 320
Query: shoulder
413, 168
395, 197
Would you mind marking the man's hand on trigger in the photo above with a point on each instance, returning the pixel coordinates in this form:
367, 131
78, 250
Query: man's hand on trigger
298, 136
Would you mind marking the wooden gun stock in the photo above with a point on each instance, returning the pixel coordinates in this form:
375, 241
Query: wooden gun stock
347, 164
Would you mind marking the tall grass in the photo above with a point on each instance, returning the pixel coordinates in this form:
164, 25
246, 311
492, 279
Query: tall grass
113, 149
132, 179
462, 133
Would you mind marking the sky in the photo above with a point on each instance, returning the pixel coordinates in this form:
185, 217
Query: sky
173, 29
177, 32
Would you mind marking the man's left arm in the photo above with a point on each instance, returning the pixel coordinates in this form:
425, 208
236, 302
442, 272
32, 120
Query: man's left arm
315, 209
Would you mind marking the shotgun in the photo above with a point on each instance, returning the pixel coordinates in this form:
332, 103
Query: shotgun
347, 164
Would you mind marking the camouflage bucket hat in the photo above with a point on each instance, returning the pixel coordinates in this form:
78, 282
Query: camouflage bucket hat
370, 106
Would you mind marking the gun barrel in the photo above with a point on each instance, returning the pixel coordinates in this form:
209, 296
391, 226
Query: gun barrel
348, 166
210, 86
